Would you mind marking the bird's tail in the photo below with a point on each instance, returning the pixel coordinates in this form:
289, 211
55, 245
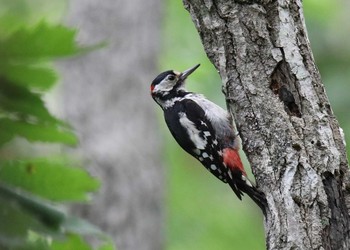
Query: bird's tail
240, 184
238, 179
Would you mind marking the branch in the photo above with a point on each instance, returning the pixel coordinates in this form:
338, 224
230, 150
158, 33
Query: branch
289, 133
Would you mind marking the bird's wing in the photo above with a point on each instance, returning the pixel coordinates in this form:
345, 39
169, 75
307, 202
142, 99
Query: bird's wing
220, 120
184, 122
193, 131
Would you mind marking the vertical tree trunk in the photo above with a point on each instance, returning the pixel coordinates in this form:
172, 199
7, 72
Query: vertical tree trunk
288, 130
106, 98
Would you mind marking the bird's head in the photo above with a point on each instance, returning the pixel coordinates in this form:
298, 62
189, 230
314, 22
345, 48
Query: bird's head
169, 84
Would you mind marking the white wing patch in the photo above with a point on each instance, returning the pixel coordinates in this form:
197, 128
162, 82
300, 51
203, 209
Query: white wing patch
218, 117
207, 133
192, 131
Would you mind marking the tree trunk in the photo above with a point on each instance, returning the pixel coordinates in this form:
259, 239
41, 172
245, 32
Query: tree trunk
106, 99
288, 130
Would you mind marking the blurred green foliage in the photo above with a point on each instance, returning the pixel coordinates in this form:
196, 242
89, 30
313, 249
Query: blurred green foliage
30, 39
327, 23
202, 213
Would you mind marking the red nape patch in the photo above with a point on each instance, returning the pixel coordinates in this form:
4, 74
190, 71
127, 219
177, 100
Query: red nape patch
152, 88
233, 160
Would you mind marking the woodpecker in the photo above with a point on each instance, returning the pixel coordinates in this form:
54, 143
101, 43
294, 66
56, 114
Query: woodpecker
204, 130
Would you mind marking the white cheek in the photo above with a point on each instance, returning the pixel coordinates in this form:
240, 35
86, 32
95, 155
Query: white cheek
164, 86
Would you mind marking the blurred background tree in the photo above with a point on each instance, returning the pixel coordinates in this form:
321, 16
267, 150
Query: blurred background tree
105, 95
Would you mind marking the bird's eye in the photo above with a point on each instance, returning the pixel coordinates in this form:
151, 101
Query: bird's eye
171, 77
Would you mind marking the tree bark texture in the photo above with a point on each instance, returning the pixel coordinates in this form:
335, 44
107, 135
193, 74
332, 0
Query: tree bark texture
106, 99
289, 133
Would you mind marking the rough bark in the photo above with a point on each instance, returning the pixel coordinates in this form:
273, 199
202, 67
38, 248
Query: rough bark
106, 99
289, 133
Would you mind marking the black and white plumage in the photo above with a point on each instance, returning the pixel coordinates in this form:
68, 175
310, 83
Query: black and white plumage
204, 130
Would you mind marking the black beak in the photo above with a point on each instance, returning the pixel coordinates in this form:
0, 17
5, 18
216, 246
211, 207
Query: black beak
188, 72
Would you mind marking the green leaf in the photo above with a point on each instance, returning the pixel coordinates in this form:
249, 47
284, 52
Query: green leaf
14, 227
5, 135
19, 101
29, 76
72, 243
25, 115
35, 132
107, 246
52, 179
81, 227
28, 222
40, 42
16, 13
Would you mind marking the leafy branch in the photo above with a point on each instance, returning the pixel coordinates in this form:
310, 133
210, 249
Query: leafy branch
31, 188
